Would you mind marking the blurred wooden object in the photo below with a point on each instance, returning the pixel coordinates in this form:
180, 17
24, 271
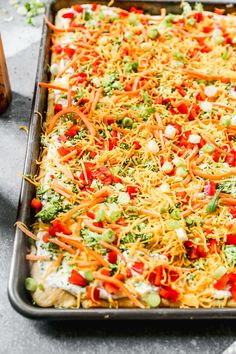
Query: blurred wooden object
5, 89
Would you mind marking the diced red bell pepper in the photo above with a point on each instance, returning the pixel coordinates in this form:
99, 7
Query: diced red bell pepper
122, 222
91, 215
135, 10
222, 282
88, 166
132, 191
198, 16
182, 108
128, 87
112, 143
194, 112
112, 257
94, 6
216, 156
63, 151
92, 154
69, 15
72, 131
207, 29
188, 244
231, 239
110, 120
69, 51
201, 251
173, 275
156, 276
172, 111
116, 179
36, 204
213, 246
77, 279
138, 267
81, 77
58, 107
210, 188
205, 49
98, 224
78, 8
57, 49
58, 226
128, 273
233, 291
193, 254
123, 14
232, 210
93, 293
183, 196
232, 278
168, 293
65, 229
78, 149
137, 145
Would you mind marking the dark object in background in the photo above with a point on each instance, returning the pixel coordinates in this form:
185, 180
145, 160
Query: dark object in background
5, 89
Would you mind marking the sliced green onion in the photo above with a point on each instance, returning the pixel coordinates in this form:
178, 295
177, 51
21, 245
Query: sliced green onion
224, 55
108, 236
208, 148
225, 120
212, 205
133, 19
189, 221
173, 224
220, 272
100, 215
153, 299
30, 284
89, 275
143, 134
127, 122
181, 172
153, 33
115, 215
176, 214
146, 46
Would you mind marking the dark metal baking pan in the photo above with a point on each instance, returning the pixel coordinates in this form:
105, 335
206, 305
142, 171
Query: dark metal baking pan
18, 296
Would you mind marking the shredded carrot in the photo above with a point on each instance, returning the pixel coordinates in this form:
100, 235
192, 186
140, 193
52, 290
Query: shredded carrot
77, 113
112, 248
121, 286
211, 177
34, 257
24, 229
91, 227
52, 86
62, 245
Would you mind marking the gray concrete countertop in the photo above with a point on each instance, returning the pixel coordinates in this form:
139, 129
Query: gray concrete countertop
20, 335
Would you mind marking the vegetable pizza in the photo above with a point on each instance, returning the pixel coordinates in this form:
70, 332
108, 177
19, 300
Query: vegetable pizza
136, 195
